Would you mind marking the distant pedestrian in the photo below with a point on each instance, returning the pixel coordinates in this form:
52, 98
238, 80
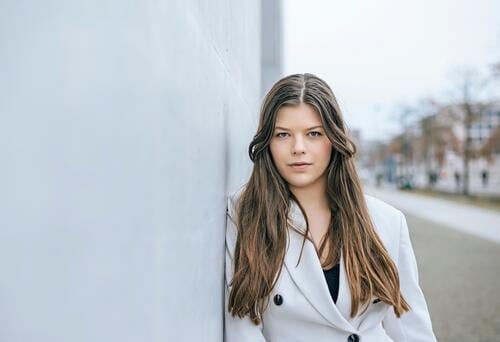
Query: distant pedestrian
434, 177
484, 177
457, 179
380, 176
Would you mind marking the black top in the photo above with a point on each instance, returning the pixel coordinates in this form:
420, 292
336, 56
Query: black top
332, 279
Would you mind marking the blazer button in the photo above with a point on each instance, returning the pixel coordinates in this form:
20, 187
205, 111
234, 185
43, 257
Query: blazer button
278, 300
353, 338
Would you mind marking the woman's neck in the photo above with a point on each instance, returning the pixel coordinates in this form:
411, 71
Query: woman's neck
313, 198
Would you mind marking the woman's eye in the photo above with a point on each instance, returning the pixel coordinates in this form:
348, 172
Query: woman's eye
314, 134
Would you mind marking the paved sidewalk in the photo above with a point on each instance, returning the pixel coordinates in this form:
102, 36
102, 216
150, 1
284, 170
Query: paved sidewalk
459, 276
480, 222
475, 188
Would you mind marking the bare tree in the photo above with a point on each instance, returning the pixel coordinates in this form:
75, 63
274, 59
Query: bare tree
492, 144
470, 86
420, 148
427, 125
406, 113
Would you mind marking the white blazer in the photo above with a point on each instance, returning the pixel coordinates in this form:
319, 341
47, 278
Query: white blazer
307, 311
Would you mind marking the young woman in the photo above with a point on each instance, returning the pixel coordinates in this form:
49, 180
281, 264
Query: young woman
309, 256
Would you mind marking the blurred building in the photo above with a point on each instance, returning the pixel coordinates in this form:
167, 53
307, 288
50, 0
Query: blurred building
430, 151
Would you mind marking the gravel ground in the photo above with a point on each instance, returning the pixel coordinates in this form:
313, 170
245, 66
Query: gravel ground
460, 277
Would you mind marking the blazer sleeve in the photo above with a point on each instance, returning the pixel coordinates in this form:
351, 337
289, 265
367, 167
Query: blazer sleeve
414, 325
236, 329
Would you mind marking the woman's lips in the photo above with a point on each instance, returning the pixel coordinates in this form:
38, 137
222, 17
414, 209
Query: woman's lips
300, 167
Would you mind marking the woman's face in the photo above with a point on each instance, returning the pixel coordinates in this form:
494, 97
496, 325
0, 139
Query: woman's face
299, 136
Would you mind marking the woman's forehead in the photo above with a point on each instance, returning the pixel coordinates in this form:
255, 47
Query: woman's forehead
302, 116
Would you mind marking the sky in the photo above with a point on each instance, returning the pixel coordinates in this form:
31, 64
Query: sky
381, 55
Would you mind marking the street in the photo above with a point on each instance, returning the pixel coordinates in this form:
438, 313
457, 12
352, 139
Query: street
459, 274
460, 277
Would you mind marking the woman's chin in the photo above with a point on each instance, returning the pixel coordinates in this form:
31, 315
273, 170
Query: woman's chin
300, 182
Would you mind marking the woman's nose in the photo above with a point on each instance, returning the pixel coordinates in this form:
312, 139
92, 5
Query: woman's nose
298, 145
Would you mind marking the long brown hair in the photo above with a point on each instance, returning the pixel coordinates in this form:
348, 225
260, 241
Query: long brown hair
262, 211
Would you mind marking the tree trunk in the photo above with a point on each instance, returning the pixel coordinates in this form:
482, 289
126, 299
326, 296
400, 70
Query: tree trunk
467, 147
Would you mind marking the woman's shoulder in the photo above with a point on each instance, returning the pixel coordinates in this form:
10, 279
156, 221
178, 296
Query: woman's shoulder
379, 210
385, 217
232, 200
231, 228
376, 205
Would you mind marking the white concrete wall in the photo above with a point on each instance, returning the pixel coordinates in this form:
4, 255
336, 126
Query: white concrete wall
123, 125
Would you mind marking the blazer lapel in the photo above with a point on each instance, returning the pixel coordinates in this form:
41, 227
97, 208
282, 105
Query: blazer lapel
344, 298
308, 275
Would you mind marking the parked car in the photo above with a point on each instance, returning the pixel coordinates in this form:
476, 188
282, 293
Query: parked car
405, 182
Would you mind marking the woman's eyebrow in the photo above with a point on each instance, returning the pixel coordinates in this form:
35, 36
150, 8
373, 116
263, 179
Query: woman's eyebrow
307, 129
